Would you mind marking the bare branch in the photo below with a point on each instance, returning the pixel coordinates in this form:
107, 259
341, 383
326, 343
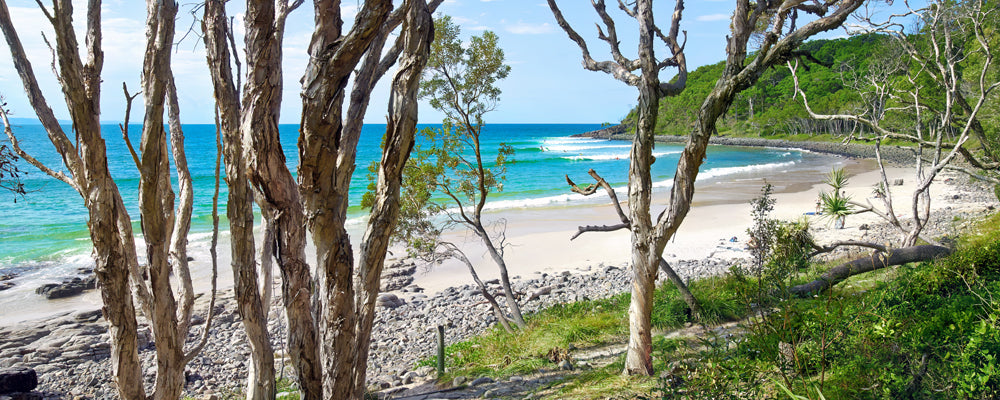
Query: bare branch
677, 51
612, 37
855, 243
124, 126
598, 228
57, 136
215, 244
632, 12
609, 190
618, 71
16, 145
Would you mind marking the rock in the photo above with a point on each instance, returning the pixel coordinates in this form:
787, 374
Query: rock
6, 285
481, 381
88, 316
389, 300
566, 365
61, 290
458, 381
18, 379
67, 288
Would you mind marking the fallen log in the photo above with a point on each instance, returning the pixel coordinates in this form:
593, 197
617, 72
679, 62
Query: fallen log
876, 261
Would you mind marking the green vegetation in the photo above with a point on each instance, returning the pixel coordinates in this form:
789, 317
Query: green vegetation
924, 331
835, 205
837, 79
768, 108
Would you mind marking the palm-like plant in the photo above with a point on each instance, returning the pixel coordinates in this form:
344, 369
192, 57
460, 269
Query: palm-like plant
835, 205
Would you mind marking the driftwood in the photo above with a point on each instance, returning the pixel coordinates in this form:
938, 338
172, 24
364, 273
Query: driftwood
876, 261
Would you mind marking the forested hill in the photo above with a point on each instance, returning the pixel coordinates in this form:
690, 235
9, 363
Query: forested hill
768, 107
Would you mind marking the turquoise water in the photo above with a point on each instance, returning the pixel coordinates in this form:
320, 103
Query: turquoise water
47, 227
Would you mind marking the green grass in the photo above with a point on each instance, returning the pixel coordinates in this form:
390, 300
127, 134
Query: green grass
867, 338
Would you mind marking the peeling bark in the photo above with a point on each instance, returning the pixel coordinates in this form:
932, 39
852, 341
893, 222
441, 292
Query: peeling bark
110, 225
239, 210
88, 174
648, 237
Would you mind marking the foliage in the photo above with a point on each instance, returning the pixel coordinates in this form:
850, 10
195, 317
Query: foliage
762, 231
583, 324
10, 173
769, 108
778, 249
867, 339
446, 170
837, 85
835, 205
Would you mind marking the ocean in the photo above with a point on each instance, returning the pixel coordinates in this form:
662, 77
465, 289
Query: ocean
44, 233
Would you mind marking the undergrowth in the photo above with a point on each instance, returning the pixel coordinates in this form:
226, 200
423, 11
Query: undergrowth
920, 331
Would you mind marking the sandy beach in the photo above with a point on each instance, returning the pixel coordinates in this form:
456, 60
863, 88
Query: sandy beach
538, 238
66, 342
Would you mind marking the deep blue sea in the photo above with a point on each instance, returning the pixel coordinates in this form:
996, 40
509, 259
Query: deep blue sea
44, 234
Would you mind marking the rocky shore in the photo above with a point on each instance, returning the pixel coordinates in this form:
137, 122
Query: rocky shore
894, 155
70, 352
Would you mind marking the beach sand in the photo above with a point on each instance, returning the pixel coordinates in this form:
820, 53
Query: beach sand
538, 238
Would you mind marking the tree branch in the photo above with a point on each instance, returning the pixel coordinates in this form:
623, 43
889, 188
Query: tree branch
124, 126
618, 71
833, 246
876, 261
16, 145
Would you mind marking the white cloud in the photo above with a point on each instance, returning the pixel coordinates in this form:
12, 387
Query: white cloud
462, 21
478, 28
522, 28
712, 17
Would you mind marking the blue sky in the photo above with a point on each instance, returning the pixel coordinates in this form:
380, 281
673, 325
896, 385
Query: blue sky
547, 83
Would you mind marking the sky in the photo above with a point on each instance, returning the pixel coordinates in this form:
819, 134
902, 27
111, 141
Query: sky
547, 83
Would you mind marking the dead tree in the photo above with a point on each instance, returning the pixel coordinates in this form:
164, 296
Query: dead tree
943, 120
773, 25
164, 228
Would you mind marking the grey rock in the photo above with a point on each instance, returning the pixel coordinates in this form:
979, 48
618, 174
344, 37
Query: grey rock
88, 316
458, 381
481, 381
17, 379
389, 300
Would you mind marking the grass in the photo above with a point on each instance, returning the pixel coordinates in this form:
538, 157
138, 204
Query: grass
927, 330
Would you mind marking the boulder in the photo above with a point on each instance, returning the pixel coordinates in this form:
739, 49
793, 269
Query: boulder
60, 290
389, 300
67, 288
18, 379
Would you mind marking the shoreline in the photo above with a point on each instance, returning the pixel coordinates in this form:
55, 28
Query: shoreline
72, 347
893, 155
